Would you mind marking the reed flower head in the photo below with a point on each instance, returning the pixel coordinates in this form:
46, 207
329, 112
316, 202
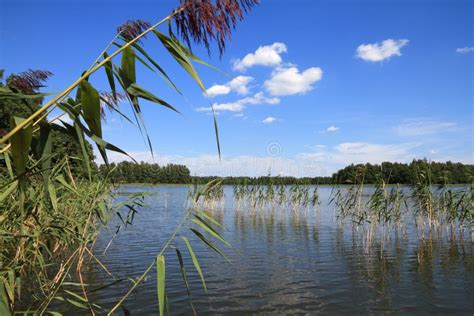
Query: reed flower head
28, 81
206, 20
110, 101
132, 28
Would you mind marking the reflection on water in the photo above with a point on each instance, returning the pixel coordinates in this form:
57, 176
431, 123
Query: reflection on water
288, 261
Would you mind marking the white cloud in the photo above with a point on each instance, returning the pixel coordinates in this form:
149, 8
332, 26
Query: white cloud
359, 152
239, 85
322, 160
216, 90
330, 129
380, 51
269, 120
420, 127
464, 50
241, 116
289, 81
243, 165
239, 105
260, 98
264, 56
218, 107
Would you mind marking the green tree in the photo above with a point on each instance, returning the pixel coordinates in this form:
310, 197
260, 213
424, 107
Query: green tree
29, 82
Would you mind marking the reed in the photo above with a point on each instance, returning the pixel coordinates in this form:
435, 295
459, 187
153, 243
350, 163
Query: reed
50, 217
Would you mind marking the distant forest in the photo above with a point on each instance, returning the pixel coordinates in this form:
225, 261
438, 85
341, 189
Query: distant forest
439, 173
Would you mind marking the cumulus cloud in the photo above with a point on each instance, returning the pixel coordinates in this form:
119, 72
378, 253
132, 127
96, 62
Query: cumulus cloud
239, 85
264, 56
361, 152
217, 89
330, 129
219, 107
289, 80
464, 50
420, 127
380, 51
239, 105
322, 161
269, 120
243, 165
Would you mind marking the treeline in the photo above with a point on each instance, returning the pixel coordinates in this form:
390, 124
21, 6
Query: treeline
129, 172
393, 172
439, 173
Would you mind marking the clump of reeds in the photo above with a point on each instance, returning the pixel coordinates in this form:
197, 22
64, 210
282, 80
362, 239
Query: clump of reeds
213, 199
50, 239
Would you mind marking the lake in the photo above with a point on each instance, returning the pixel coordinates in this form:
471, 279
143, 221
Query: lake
284, 262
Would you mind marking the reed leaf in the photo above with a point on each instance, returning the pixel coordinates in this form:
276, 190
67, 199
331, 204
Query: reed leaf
137, 91
210, 244
157, 66
20, 145
128, 66
8, 191
4, 306
180, 56
8, 164
160, 279
195, 262
203, 224
184, 275
110, 75
216, 130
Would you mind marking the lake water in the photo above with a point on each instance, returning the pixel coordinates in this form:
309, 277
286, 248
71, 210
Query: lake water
284, 262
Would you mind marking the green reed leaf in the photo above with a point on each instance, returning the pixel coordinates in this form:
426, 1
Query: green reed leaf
157, 66
8, 191
110, 76
20, 145
209, 218
53, 197
160, 276
90, 101
183, 271
199, 221
195, 262
180, 56
4, 309
137, 91
8, 163
210, 244
128, 66
216, 130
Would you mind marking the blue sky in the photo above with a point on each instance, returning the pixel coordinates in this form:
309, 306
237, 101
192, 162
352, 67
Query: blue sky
311, 86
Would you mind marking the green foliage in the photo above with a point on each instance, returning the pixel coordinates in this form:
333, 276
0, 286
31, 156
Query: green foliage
393, 172
128, 172
45, 217
63, 143
53, 223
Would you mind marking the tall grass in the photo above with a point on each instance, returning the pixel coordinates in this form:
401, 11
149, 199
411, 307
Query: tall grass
49, 240
49, 217
377, 212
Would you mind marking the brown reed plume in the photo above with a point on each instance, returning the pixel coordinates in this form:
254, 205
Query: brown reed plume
28, 81
207, 20
132, 28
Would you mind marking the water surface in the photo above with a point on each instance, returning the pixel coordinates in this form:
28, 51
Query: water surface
285, 262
